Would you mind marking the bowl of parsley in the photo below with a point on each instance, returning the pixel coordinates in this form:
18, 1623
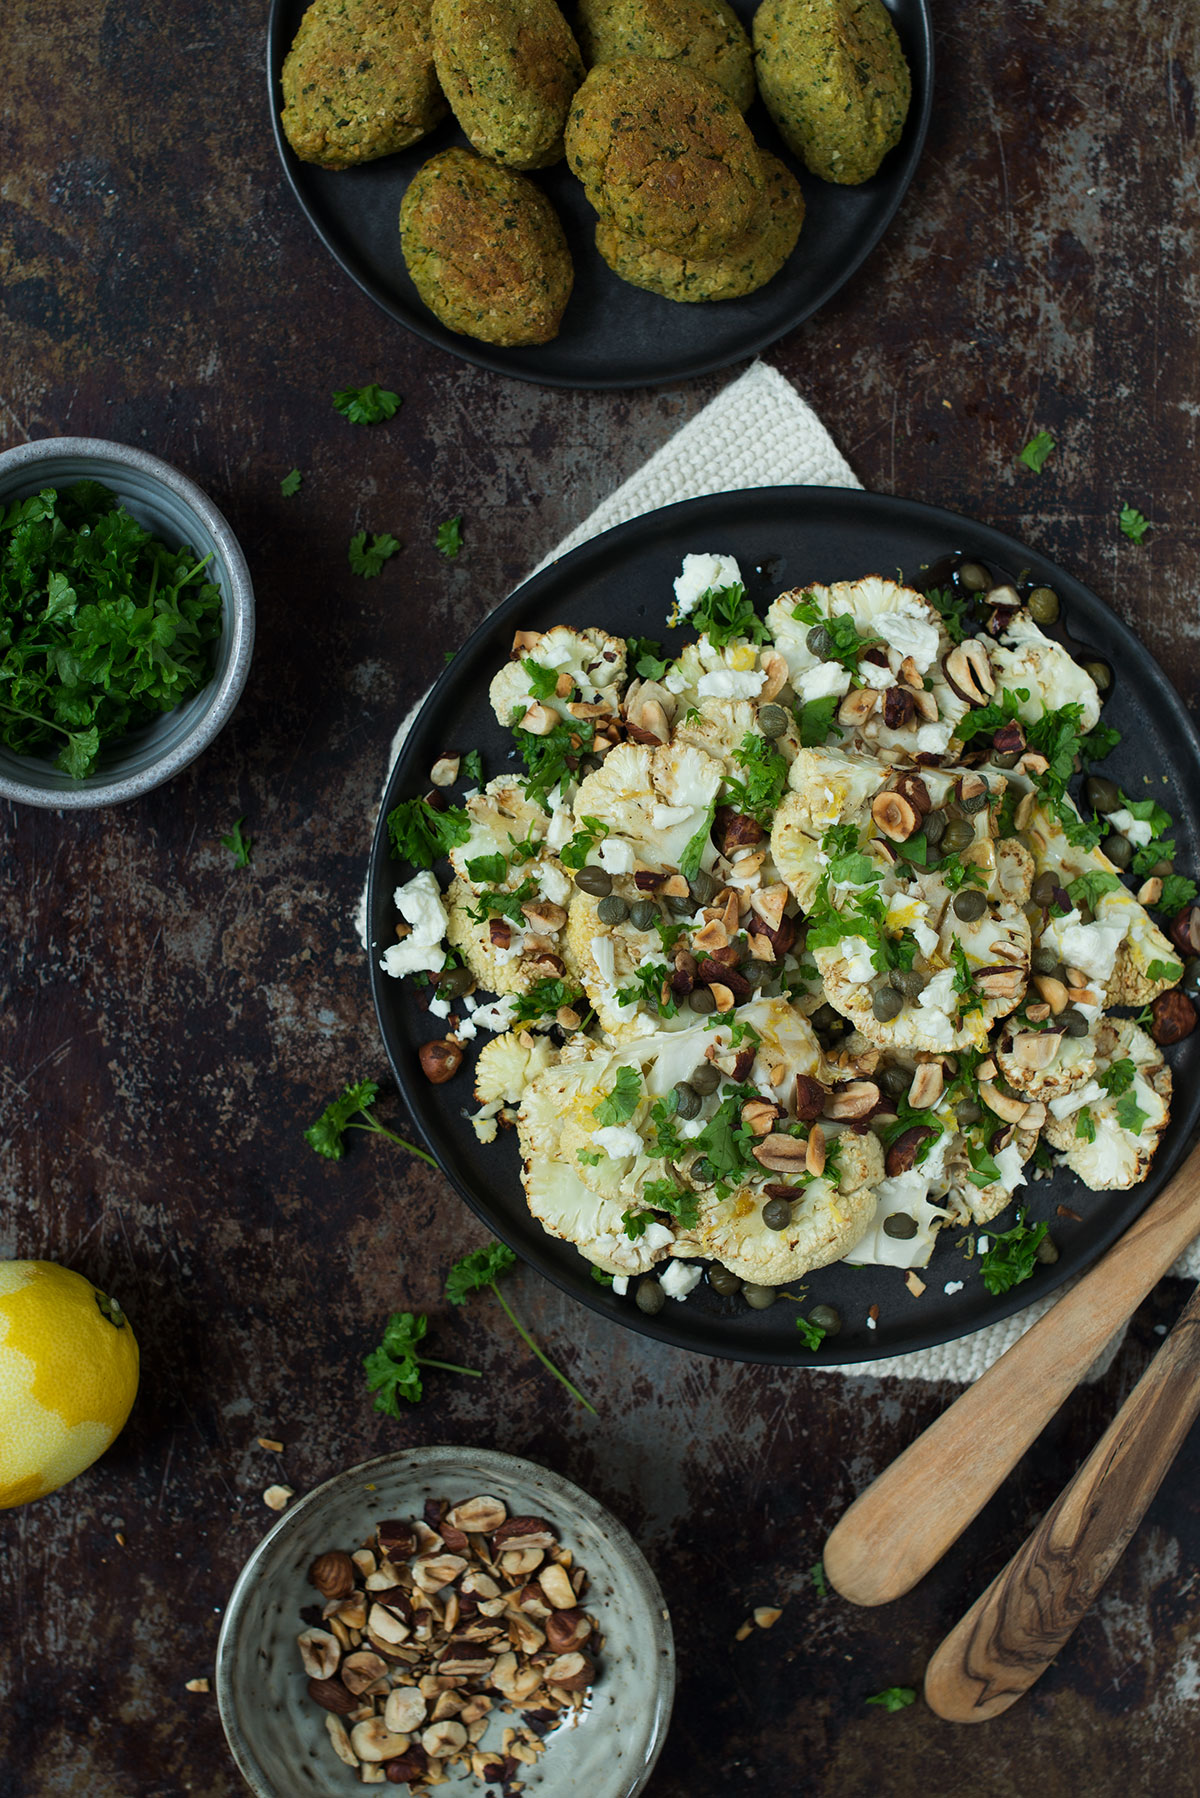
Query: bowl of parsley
126, 622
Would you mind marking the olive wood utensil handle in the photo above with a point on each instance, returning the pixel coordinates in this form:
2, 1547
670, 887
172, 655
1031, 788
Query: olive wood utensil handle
1009, 1636
904, 1522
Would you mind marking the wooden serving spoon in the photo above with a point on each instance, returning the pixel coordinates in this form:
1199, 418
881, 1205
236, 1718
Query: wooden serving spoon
905, 1521
1009, 1636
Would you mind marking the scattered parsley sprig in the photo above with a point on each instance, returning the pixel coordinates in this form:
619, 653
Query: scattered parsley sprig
393, 1369
368, 559
482, 1271
238, 845
369, 405
327, 1135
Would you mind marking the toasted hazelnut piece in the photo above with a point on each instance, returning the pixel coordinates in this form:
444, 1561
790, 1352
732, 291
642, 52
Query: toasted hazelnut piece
276, 1497
895, 816
1173, 1016
926, 708
364, 1560
440, 1060
444, 772
361, 1669
320, 1653
767, 1616
1024, 811
1052, 991
517, 1563
781, 1154
899, 705
1035, 1117
441, 1740
858, 706
432, 1572
775, 667
910, 786
333, 1574
574, 1672
199, 1685
1038, 1012
1150, 891
482, 1515
811, 1097
915, 1285
566, 1630
544, 915
557, 1587
972, 786
396, 1539
722, 996
405, 1710
332, 1695
1031, 763
524, 1633
1010, 1109
340, 1740
1000, 983
373, 1741
524, 1532
927, 1084
911, 675
523, 642
539, 720
857, 1100
385, 1626
902, 1154
969, 672
758, 1115
814, 1152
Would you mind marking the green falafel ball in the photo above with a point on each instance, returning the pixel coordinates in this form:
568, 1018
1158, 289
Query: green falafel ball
359, 81
835, 80
703, 35
509, 69
485, 250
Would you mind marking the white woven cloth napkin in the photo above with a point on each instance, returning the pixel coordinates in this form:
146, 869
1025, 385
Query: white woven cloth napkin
758, 432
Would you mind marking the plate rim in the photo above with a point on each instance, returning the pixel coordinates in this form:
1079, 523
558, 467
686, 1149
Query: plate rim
499, 361
984, 539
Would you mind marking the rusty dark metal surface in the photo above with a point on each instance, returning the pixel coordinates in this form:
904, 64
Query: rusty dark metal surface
168, 1023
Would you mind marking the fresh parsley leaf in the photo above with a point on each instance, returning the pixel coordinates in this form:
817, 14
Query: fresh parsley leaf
1094, 745
1177, 892
449, 537
421, 835
600, 1277
484, 1269
1133, 523
551, 759
291, 483
646, 988
1037, 450
487, 867
953, 609
1090, 887
472, 765
812, 1333
355, 1102
544, 998
984, 1169
1164, 970
816, 721
645, 657
366, 405
724, 614
494, 903
1148, 811
368, 559
1012, 1256
693, 853
575, 853
393, 1369
1085, 1129
542, 681
239, 846
895, 1698
964, 979
677, 1201
589, 1157
635, 1223
766, 778
725, 1142
622, 1101
1117, 1078
845, 644
856, 869
1130, 1115
817, 1575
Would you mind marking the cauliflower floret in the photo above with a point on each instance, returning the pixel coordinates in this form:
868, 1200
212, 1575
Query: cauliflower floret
514, 968
594, 660
1123, 1146
1025, 657
508, 1064
655, 799
908, 1195
500, 816
1045, 1064
826, 1219
566, 1208
982, 1203
719, 727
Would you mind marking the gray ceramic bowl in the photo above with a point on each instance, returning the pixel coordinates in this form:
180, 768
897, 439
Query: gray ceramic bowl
278, 1735
176, 510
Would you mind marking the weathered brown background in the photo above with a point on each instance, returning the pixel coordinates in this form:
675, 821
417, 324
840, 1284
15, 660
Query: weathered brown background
168, 1023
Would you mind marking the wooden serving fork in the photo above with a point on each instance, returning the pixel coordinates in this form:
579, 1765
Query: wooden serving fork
904, 1522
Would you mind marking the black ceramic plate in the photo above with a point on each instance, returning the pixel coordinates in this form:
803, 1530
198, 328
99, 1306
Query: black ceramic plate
612, 335
782, 537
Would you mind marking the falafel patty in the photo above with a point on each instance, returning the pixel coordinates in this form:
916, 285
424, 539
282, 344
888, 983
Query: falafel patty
509, 69
835, 80
704, 35
741, 270
359, 81
485, 250
664, 154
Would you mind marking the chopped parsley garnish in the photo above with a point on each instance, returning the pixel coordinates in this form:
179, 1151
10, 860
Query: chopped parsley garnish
895, 1698
1090, 887
1164, 970
1085, 1129
984, 1169
483, 1270
693, 854
487, 867
677, 1201
725, 1142
589, 1157
724, 614
964, 979
667, 1141
368, 405
635, 1223
1130, 1115
327, 1135
449, 536
238, 845
846, 646
766, 777
575, 853
622, 1101
1133, 523
1177, 892
542, 681
1012, 1256
368, 559
1148, 811
816, 720
817, 1575
645, 657
544, 998
1037, 450
812, 1333
600, 1277
290, 483
497, 904
393, 1369
472, 766
953, 609
420, 834
553, 758
1117, 1078
646, 988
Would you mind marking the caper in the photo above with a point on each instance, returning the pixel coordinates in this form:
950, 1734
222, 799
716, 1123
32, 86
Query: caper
1043, 961
1044, 888
681, 905
759, 973
772, 720
909, 982
973, 576
1190, 983
650, 1297
819, 641
895, 1082
777, 1214
1101, 673
1162, 869
968, 1112
969, 905
454, 983
1118, 849
643, 914
1047, 1250
688, 1100
1043, 605
593, 880
825, 1019
973, 802
934, 827
957, 836
886, 1004
700, 999
1103, 795
1073, 1022
613, 910
702, 1171
723, 1281
702, 887
1009, 759
900, 1225
826, 1318
704, 1079
759, 1298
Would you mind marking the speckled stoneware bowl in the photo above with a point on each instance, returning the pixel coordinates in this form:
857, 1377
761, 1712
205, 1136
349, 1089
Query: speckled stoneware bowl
278, 1735
178, 511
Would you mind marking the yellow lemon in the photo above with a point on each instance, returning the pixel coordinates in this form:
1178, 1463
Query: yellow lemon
68, 1377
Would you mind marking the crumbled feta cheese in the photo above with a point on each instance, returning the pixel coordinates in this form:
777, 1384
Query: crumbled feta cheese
1010, 1162
937, 1005
560, 831
553, 883
675, 681
498, 1015
693, 1127
826, 679
727, 683
471, 1003
1092, 948
856, 953
876, 674
439, 1008
933, 738
1138, 830
465, 1031
620, 1285
700, 574
952, 1286
871, 1325
1067, 1103
616, 856
419, 903
412, 957
618, 1140
909, 634
678, 1279
927, 939
983, 1244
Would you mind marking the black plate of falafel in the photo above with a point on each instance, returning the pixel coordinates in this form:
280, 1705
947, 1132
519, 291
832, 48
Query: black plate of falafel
622, 193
